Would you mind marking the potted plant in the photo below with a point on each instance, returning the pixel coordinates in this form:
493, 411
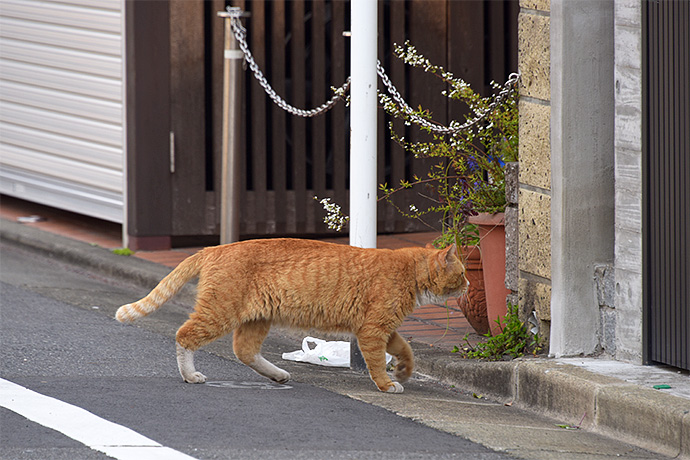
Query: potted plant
466, 187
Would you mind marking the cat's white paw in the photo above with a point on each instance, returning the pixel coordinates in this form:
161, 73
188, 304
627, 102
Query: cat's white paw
396, 388
196, 377
282, 377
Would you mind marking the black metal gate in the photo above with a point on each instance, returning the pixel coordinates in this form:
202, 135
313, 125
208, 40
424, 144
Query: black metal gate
667, 181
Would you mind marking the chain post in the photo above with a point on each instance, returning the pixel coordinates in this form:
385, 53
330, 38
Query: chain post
231, 178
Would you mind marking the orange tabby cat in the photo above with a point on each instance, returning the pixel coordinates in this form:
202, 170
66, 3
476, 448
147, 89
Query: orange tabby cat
248, 286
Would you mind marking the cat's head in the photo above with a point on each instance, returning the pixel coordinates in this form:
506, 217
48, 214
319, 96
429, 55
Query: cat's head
446, 276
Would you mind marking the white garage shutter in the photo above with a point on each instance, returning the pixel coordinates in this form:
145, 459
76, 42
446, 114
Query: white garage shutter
62, 104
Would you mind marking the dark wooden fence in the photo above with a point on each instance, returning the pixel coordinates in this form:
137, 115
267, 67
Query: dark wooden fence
300, 47
667, 138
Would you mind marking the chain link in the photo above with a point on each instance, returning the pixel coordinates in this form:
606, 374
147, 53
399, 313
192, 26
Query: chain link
241, 35
507, 88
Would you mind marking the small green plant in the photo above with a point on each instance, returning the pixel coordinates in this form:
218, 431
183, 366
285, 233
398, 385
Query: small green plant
514, 341
122, 252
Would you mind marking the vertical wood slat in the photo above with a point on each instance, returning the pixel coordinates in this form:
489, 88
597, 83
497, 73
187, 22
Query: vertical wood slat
393, 170
257, 108
495, 19
216, 45
339, 115
467, 25
277, 138
299, 124
427, 30
318, 124
148, 70
188, 117
382, 159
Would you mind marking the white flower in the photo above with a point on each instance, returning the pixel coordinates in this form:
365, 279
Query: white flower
335, 219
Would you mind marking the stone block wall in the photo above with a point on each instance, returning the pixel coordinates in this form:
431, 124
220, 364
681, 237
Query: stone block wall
534, 178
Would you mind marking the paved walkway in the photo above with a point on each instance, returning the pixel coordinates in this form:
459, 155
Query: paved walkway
617, 399
434, 325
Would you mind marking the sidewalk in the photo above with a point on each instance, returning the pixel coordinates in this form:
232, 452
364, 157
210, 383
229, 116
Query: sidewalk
612, 398
433, 325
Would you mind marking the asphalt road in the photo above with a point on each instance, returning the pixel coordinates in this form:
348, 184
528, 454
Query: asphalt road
59, 340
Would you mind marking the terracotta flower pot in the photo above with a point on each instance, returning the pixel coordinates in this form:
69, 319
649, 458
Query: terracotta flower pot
492, 243
473, 303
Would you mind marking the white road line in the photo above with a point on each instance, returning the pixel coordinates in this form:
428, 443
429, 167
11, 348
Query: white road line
81, 425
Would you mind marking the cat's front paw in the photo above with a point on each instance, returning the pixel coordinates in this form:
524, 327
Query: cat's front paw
395, 387
196, 377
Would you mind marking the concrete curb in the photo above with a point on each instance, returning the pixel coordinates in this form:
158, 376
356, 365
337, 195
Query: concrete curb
640, 416
100, 260
613, 407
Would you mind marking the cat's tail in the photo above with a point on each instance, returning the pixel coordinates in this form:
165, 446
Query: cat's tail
166, 289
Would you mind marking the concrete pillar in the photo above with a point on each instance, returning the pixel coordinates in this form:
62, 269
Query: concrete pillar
582, 168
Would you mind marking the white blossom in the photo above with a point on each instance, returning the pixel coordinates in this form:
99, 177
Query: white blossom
335, 219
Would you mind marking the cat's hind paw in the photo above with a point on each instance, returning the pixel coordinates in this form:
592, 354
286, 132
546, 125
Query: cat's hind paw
395, 388
402, 372
283, 377
196, 377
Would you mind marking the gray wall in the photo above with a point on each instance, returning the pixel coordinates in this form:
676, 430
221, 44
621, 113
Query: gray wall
582, 162
628, 174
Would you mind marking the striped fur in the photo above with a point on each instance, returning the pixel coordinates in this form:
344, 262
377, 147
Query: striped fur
247, 287
166, 289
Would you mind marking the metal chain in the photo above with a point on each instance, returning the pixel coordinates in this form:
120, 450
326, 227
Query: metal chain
507, 88
241, 36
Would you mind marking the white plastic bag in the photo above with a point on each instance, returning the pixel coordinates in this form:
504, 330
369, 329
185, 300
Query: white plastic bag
323, 353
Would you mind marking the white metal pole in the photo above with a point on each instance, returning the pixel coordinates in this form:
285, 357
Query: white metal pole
362, 136
363, 124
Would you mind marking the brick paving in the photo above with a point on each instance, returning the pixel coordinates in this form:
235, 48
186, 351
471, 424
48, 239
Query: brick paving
435, 325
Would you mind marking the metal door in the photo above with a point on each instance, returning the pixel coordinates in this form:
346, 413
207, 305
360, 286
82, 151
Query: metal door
667, 140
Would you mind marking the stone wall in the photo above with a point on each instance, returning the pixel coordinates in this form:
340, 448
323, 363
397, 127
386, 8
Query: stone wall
534, 179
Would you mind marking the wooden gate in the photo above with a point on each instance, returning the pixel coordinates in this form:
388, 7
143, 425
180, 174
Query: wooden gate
300, 47
667, 140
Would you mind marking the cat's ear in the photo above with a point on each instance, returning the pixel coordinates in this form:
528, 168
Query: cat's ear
448, 255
